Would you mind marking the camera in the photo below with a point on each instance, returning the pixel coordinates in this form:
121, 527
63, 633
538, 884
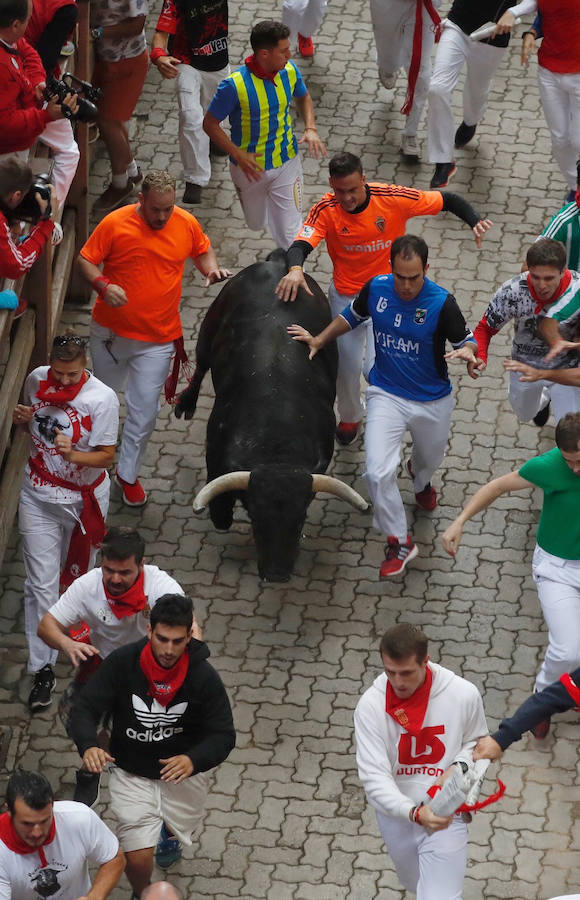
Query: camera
28, 209
87, 96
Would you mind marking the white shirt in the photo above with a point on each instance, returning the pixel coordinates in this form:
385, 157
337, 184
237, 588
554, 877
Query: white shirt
91, 420
85, 601
81, 838
396, 768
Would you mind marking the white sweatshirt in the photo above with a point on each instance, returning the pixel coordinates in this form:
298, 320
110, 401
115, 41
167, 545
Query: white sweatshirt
396, 768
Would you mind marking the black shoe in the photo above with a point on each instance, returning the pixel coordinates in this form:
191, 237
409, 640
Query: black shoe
192, 193
542, 416
217, 151
44, 684
464, 134
443, 174
87, 789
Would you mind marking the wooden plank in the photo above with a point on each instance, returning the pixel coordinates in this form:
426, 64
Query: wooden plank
78, 197
15, 373
38, 292
10, 486
62, 267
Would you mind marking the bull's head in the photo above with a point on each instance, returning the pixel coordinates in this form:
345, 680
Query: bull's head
277, 498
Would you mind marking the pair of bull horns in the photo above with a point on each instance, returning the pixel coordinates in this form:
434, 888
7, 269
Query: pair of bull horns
238, 481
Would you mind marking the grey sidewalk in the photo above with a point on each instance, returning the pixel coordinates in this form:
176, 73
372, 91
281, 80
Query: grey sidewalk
287, 817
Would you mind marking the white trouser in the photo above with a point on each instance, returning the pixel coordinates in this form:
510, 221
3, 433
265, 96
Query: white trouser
275, 200
393, 27
454, 51
560, 96
195, 90
303, 16
59, 137
431, 866
528, 398
388, 418
45, 529
139, 368
351, 351
558, 584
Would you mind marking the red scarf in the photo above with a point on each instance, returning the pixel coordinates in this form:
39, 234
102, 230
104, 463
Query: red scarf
180, 359
410, 713
418, 49
571, 687
257, 70
163, 683
91, 530
51, 389
15, 843
131, 602
563, 286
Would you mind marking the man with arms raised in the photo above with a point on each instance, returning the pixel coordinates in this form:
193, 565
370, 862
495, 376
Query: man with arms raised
46, 847
359, 222
171, 723
414, 724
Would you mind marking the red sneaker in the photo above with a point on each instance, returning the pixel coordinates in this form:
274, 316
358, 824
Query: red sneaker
133, 494
427, 498
346, 432
305, 46
541, 730
397, 556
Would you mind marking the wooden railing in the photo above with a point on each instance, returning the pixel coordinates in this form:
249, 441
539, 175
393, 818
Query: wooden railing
25, 342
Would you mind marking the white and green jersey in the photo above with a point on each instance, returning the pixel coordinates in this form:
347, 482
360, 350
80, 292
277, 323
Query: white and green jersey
565, 228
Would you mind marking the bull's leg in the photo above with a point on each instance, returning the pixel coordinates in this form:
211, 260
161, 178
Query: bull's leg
187, 400
221, 510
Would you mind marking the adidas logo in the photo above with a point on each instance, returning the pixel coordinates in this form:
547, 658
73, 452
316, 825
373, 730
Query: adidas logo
344, 230
158, 721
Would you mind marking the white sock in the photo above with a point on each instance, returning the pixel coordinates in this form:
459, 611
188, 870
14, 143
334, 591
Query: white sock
119, 181
132, 170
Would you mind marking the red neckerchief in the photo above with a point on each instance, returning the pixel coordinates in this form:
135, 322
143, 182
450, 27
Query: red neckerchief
571, 688
163, 683
86, 534
577, 198
563, 286
15, 843
418, 49
51, 389
257, 70
180, 360
131, 602
410, 713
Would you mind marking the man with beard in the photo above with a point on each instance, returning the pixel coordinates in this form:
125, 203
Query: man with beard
136, 328
46, 847
171, 722
113, 604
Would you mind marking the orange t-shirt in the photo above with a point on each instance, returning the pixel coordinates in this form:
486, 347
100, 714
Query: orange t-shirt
359, 244
148, 265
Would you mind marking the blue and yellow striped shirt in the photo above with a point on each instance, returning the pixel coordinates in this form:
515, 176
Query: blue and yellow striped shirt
259, 112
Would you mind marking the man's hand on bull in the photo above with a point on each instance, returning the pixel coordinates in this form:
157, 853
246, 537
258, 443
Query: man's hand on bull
287, 287
479, 230
115, 296
316, 147
249, 165
215, 275
299, 333
186, 404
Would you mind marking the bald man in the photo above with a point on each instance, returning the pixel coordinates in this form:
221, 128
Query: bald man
161, 890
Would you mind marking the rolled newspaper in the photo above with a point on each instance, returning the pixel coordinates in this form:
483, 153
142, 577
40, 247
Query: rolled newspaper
485, 31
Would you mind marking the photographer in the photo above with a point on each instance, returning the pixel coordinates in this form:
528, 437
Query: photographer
15, 181
22, 83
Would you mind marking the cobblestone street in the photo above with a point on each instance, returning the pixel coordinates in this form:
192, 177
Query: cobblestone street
287, 818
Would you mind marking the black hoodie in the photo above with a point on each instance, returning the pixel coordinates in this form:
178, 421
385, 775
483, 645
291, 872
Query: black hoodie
198, 722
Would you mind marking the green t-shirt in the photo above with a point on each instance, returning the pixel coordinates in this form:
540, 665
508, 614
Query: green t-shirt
559, 528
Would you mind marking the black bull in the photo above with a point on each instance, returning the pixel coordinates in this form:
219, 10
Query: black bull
272, 425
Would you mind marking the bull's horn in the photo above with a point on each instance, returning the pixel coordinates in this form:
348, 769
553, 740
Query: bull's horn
231, 481
331, 485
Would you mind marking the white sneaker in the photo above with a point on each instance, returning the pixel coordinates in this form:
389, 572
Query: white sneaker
388, 79
410, 147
